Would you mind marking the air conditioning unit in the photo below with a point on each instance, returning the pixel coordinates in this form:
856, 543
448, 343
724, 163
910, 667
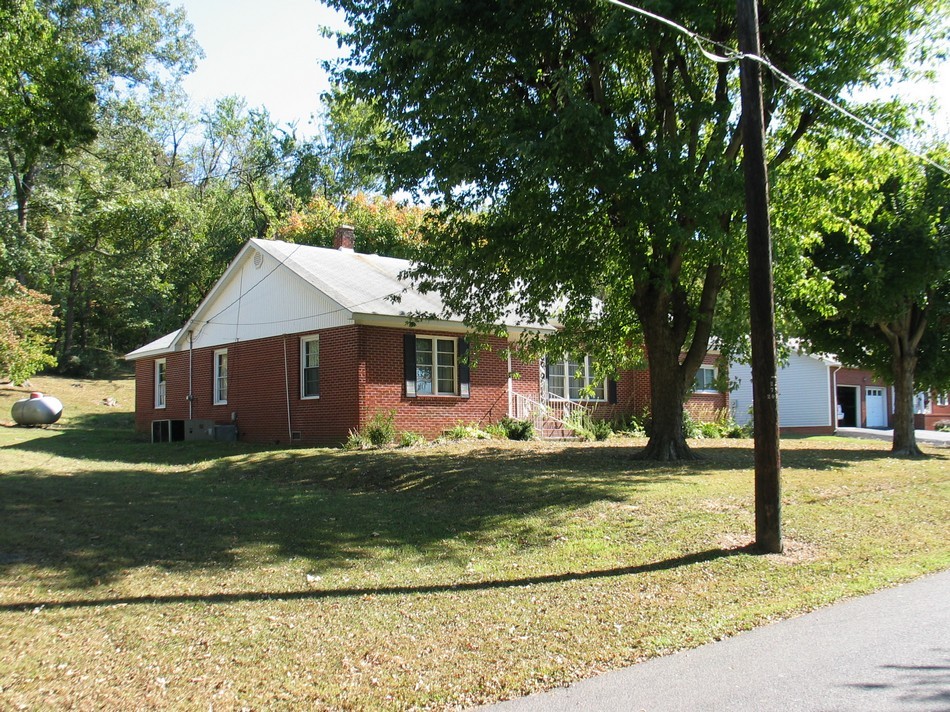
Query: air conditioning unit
199, 429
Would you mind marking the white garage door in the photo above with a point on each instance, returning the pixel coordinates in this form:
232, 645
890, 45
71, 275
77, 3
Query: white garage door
877, 407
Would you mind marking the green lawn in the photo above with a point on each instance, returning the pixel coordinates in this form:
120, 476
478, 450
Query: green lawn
228, 576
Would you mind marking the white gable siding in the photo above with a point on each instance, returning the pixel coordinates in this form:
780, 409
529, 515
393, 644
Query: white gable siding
804, 392
262, 300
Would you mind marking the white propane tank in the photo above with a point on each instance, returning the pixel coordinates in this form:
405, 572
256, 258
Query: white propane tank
37, 410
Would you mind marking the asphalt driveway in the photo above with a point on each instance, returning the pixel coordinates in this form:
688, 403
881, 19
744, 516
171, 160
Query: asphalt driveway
889, 651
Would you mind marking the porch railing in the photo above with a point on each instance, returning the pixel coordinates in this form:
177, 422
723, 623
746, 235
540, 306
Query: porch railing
555, 411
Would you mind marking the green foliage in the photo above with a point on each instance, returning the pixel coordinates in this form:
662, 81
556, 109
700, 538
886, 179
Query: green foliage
599, 160
381, 428
722, 427
586, 427
630, 425
378, 431
883, 276
356, 440
26, 319
515, 429
692, 428
349, 155
461, 431
942, 426
408, 438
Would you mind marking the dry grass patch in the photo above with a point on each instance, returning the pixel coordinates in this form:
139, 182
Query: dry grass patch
227, 576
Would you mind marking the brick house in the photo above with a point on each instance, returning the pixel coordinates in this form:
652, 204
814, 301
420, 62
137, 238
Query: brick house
931, 410
304, 344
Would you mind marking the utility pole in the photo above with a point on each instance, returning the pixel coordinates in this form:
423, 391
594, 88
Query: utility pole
768, 459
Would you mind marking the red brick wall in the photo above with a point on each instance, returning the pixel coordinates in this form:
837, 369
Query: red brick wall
633, 396
382, 386
862, 378
258, 391
361, 374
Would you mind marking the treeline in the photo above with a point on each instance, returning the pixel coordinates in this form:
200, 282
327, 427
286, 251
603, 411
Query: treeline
124, 205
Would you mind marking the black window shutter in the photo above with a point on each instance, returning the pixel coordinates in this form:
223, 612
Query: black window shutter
611, 391
409, 363
465, 389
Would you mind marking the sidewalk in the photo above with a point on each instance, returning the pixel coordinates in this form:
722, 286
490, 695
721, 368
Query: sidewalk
924, 437
889, 651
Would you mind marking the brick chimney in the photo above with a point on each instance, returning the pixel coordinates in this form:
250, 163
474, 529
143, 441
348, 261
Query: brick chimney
343, 238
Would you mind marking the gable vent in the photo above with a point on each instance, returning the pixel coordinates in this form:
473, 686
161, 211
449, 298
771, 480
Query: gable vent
258, 259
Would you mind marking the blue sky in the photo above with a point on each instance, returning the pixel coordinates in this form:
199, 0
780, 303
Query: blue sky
270, 53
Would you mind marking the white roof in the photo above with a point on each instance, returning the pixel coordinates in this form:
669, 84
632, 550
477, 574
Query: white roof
362, 284
162, 344
367, 287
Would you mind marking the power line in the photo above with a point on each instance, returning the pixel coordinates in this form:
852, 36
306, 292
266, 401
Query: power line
734, 56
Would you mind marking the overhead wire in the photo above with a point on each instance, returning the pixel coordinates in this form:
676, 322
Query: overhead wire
735, 56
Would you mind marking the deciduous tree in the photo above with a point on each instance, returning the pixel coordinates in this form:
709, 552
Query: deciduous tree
880, 282
26, 320
584, 156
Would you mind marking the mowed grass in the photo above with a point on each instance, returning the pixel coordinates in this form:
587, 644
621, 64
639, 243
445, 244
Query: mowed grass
229, 576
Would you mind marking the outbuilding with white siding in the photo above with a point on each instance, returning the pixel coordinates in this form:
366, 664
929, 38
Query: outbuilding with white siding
805, 393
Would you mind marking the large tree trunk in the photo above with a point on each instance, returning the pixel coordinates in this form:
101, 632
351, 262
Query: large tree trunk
667, 392
666, 318
903, 335
905, 438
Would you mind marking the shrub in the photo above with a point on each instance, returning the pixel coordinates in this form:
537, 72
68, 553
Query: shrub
942, 426
496, 430
26, 322
629, 426
357, 441
586, 427
381, 428
409, 439
691, 427
517, 429
379, 431
466, 432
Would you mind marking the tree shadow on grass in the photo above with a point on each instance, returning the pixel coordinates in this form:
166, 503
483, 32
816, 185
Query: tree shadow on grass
329, 506
90, 527
318, 594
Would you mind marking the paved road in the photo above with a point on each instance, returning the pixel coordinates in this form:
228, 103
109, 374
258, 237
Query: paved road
929, 437
886, 652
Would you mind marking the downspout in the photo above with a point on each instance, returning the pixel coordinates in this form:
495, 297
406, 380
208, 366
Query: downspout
290, 431
191, 362
511, 395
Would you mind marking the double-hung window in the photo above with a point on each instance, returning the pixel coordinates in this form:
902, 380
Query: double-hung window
573, 378
160, 381
436, 366
221, 377
943, 399
310, 367
705, 381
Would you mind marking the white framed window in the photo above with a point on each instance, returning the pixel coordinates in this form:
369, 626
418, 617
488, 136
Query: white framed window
221, 377
436, 366
572, 378
943, 399
705, 381
160, 381
310, 367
